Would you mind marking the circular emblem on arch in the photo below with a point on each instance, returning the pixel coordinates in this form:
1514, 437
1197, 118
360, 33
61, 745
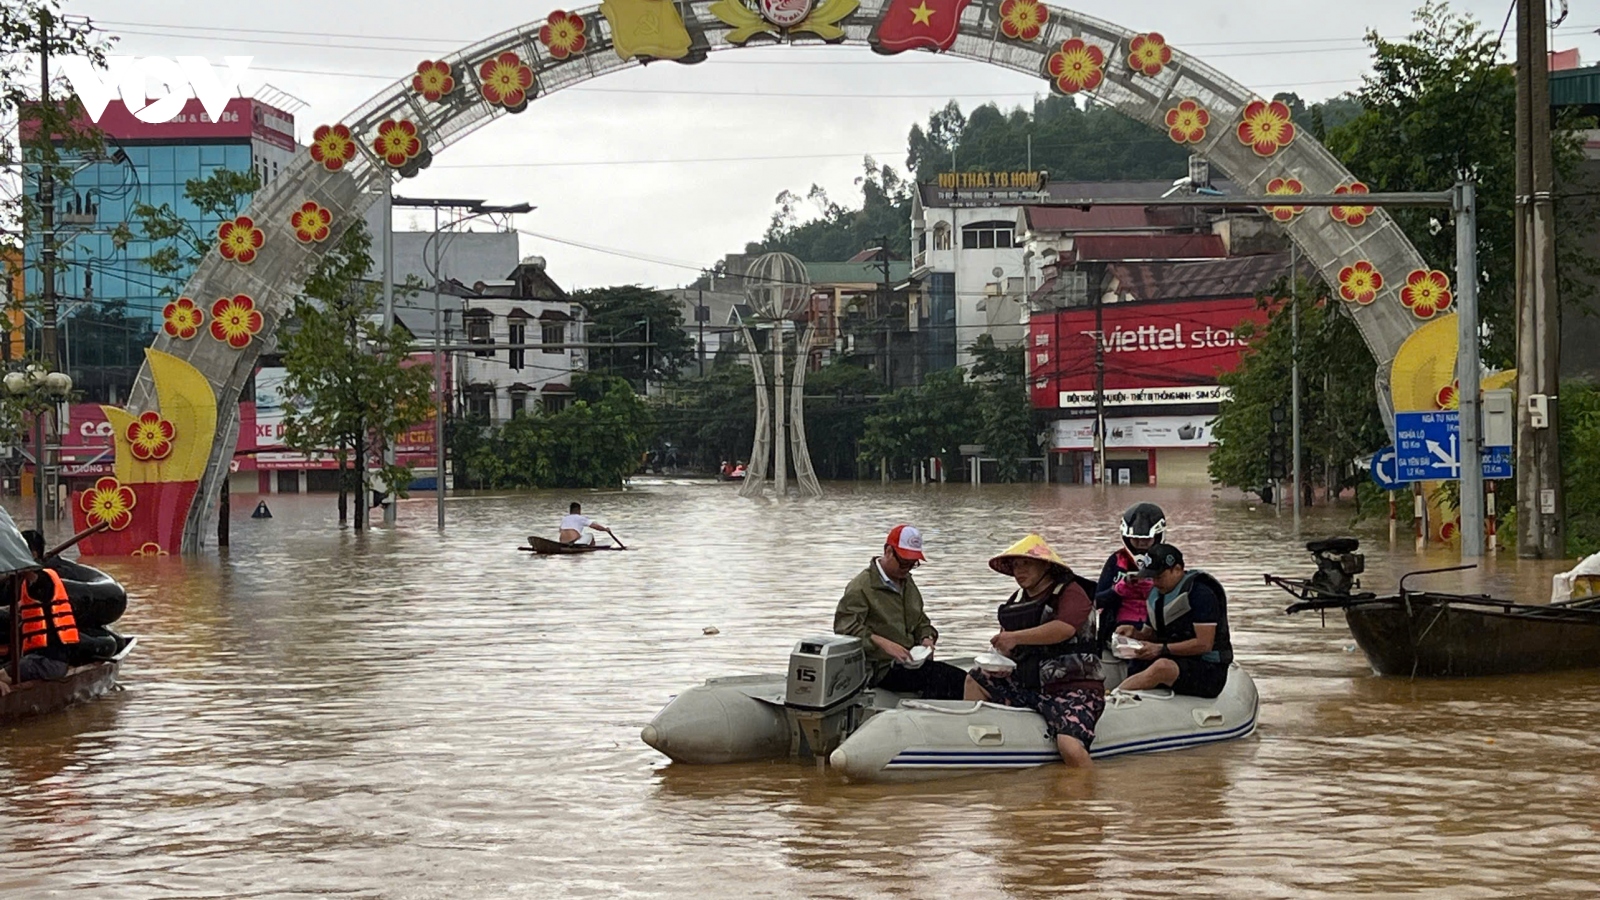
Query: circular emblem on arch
312, 222
182, 319
1286, 187
240, 240
1023, 20
333, 146
397, 142
109, 501
433, 80
785, 13
507, 81
235, 321
150, 437
563, 34
1354, 216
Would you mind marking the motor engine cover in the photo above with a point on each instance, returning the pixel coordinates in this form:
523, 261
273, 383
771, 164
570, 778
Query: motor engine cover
825, 672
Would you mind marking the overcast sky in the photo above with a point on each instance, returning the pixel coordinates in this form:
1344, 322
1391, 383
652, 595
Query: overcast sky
664, 169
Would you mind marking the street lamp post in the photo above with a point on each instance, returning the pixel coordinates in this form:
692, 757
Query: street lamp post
37, 391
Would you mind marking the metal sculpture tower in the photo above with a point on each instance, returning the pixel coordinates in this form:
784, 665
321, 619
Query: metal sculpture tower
778, 287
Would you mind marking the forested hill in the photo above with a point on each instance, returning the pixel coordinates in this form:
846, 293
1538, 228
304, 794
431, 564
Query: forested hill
1072, 144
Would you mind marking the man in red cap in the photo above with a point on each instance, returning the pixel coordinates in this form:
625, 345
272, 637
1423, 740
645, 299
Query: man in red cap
883, 608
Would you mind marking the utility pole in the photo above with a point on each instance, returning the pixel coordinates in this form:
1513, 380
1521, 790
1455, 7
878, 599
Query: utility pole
438, 377
700, 317
392, 507
1099, 390
47, 210
1294, 374
1541, 531
1467, 366
883, 299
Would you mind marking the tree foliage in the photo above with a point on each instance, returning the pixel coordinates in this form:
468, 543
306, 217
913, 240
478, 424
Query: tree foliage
178, 245
1006, 420
348, 380
634, 314
933, 419
1338, 404
595, 442
838, 232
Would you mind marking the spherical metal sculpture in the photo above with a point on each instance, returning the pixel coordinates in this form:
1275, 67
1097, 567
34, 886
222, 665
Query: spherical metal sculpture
777, 285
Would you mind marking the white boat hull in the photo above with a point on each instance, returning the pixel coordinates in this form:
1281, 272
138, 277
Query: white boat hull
924, 739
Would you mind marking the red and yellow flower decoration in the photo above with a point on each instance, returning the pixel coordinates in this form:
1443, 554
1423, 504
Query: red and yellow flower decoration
149, 549
1267, 127
1354, 216
182, 319
506, 80
1360, 282
1148, 53
151, 437
397, 142
433, 80
235, 321
312, 222
333, 146
1426, 292
1285, 187
240, 239
1023, 20
1449, 396
1077, 66
562, 34
109, 501
1187, 122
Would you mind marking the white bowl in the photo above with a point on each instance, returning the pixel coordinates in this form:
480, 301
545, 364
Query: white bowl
919, 655
994, 664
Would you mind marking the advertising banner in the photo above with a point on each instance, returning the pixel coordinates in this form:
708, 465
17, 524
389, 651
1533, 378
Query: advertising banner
1146, 433
1147, 345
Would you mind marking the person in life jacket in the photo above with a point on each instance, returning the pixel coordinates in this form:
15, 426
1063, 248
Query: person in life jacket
1045, 627
48, 629
1121, 593
1186, 645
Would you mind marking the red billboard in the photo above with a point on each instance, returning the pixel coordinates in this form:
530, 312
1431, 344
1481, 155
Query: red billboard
1147, 345
242, 119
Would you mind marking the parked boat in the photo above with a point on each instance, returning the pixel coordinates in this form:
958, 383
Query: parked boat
821, 708
1434, 633
541, 545
82, 684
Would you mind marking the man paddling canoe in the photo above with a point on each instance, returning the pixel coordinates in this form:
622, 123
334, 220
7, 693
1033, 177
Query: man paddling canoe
574, 524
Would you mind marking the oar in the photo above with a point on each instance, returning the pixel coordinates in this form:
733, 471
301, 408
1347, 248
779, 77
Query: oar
92, 529
620, 545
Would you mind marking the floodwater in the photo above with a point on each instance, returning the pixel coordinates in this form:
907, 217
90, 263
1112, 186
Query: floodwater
405, 715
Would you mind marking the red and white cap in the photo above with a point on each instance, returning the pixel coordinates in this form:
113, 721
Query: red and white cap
906, 541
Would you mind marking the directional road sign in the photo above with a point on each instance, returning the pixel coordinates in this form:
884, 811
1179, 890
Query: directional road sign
1382, 469
1428, 448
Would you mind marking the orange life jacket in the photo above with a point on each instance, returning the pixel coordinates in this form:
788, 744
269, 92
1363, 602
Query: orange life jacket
38, 623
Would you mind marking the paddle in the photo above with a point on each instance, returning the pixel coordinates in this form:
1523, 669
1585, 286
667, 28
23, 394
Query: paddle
620, 545
92, 529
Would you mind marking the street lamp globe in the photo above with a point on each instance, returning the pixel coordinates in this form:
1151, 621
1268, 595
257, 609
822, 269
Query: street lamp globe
777, 285
35, 375
15, 382
59, 384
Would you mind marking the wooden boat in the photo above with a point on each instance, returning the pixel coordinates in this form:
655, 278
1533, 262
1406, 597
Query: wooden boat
82, 684
1439, 634
541, 545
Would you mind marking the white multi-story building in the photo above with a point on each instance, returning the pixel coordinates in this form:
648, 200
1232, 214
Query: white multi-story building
525, 324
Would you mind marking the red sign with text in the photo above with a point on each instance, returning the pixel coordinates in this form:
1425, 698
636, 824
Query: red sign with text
1147, 345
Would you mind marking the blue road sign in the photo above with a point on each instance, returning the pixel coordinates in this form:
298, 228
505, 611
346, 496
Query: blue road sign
1428, 448
1382, 469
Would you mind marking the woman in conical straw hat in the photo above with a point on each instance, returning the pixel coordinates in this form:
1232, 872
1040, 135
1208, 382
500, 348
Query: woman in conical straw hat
1045, 629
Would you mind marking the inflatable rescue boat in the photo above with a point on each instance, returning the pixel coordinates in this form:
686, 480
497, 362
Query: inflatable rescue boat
823, 709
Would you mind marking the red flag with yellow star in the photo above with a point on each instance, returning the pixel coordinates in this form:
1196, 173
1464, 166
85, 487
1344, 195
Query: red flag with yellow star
918, 25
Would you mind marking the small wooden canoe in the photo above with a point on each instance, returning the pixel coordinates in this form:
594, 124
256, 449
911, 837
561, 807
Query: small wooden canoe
82, 684
541, 545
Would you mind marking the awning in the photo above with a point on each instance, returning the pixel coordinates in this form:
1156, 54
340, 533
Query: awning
553, 315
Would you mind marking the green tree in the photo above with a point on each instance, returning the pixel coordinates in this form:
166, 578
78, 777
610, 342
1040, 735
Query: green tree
595, 442
1338, 405
634, 314
915, 423
1006, 416
839, 232
348, 379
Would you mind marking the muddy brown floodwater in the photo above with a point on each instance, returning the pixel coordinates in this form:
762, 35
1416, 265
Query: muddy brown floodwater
405, 715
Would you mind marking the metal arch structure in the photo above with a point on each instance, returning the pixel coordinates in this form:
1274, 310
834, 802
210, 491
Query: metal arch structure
275, 277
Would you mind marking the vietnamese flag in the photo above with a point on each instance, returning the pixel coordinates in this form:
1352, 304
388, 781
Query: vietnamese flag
918, 25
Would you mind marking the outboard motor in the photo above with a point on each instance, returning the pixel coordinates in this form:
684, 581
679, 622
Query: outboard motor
825, 696
1337, 566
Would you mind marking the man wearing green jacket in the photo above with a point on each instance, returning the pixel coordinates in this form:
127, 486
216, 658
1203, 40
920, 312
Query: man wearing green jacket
883, 608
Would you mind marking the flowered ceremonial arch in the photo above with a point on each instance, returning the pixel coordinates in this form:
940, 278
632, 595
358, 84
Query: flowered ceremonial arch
443, 98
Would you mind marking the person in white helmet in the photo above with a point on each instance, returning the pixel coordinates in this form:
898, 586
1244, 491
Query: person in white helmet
1121, 593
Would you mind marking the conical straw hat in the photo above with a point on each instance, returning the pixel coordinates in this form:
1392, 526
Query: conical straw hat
1030, 547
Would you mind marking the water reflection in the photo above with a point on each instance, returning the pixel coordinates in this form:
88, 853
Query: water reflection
410, 714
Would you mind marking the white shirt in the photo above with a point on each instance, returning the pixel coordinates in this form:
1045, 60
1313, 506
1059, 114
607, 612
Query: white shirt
575, 521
